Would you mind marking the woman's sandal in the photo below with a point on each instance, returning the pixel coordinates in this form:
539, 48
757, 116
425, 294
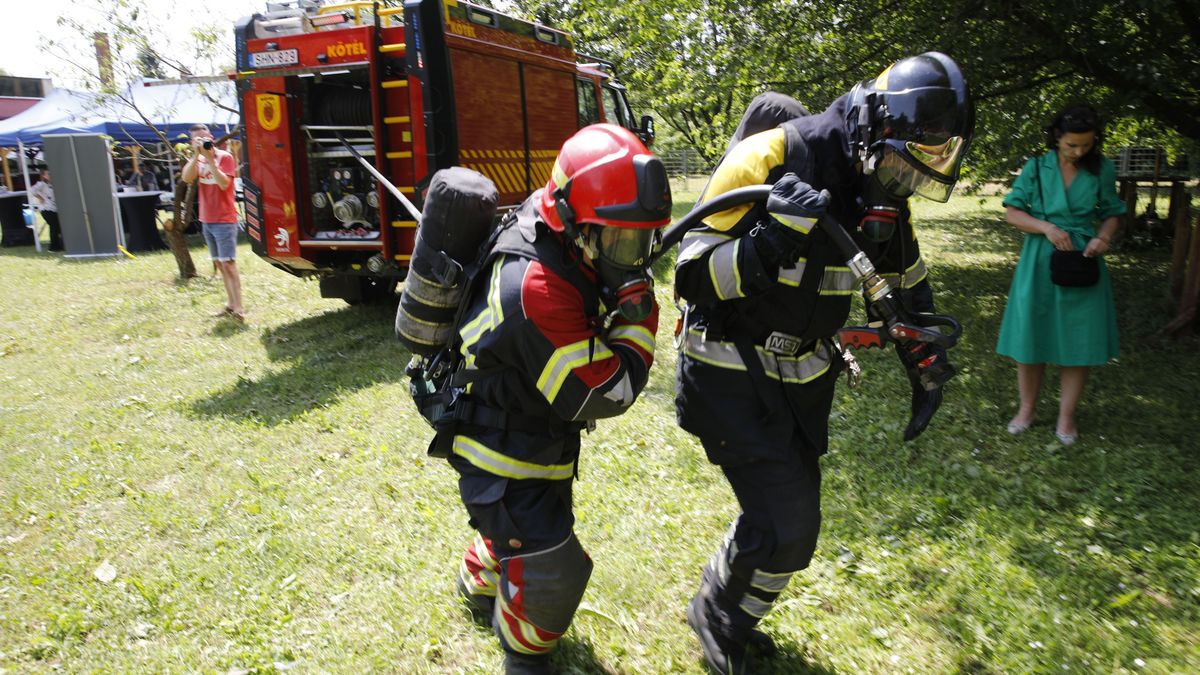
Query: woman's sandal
1015, 428
224, 312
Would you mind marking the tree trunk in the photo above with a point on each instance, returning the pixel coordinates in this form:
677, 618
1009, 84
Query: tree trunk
185, 196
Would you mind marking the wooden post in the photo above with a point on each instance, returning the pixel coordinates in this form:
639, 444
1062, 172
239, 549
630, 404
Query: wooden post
4, 152
1129, 189
235, 149
135, 152
1179, 215
1182, 324
185, 193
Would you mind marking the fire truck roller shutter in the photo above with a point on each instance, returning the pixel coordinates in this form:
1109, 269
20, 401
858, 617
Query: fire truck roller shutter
341, 105
460, 210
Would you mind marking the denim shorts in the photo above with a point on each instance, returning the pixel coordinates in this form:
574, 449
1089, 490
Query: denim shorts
222, 240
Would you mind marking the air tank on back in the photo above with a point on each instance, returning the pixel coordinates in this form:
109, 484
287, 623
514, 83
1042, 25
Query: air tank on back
458, 215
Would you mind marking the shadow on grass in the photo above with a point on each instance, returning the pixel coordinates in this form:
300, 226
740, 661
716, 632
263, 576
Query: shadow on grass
325, 357
575, 656
1132, 473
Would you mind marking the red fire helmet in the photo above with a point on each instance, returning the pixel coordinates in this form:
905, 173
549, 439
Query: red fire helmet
605, 175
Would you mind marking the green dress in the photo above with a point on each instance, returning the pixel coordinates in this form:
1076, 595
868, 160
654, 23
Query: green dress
1043, 322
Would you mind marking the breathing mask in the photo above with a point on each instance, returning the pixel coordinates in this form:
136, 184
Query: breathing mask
882, 209
621, 256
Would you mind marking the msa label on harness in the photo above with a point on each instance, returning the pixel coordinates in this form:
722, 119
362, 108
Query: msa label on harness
783, 344
282, 57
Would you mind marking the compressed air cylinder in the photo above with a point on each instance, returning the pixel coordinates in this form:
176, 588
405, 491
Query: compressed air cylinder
459, 214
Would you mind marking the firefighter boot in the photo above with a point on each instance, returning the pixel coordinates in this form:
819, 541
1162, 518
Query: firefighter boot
522, 664
724, 655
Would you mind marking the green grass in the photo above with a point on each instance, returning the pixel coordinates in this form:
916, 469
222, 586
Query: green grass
262, 498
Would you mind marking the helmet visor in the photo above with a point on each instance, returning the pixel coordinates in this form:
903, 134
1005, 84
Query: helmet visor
930, 171
624, 247
929, 115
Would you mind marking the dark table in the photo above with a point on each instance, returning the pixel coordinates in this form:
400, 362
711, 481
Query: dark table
12, 220
139, 215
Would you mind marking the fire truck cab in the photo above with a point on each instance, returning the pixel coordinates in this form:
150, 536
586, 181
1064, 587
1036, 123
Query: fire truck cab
409, 90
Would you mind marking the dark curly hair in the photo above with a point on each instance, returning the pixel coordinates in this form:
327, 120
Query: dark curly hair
1078, 119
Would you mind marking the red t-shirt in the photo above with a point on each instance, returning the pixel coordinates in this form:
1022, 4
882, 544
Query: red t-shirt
217, 205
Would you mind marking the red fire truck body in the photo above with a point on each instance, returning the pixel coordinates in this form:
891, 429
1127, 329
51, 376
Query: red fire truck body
411, 90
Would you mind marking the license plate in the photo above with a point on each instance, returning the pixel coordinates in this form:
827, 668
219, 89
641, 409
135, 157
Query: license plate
281, 57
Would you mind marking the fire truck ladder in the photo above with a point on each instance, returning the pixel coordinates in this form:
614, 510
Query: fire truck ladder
396, 132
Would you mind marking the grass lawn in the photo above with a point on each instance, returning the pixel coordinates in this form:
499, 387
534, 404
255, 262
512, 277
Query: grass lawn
179, 493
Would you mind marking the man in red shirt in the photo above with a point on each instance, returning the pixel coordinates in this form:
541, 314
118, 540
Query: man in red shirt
214, 169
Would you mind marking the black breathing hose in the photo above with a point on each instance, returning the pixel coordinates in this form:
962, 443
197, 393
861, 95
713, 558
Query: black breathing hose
743, 195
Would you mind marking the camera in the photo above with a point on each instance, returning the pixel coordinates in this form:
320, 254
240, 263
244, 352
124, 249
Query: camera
208, 145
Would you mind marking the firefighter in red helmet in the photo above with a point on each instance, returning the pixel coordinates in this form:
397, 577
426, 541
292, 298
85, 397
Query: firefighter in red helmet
560, 333
765, 296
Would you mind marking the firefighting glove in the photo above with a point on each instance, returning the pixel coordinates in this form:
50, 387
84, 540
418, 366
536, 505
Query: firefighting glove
794, 207
928, 370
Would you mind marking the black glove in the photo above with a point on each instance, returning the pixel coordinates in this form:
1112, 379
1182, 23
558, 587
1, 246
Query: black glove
792, 204
928, 370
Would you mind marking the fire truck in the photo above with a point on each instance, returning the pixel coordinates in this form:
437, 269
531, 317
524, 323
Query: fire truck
349, 109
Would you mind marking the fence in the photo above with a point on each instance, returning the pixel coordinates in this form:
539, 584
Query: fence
687, 169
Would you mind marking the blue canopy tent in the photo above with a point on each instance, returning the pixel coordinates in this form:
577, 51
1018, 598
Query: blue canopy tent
170, 108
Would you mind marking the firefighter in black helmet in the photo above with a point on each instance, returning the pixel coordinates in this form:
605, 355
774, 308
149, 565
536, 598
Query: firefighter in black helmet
764, 297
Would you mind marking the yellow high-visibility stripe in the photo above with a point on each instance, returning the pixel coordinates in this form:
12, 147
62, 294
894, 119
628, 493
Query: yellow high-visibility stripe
399, 119
500, 464
485, 583
484, 555
697, 242
403, 257
837, 281
915, 274
564, 360
754, 607
392, 84
724, 272
638, 335
404, 223
396, 47
791, 276
490, 317
399, 154
770, 582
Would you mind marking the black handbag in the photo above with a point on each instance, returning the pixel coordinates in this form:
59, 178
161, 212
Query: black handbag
1071, 268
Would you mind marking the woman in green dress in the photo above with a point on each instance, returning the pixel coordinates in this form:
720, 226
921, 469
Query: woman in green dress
1062, 200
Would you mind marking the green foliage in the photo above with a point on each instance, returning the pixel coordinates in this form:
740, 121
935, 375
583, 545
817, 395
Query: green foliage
698, 64
182, 494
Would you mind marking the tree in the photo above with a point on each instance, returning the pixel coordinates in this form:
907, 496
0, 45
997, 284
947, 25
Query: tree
697, 64
130, 52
